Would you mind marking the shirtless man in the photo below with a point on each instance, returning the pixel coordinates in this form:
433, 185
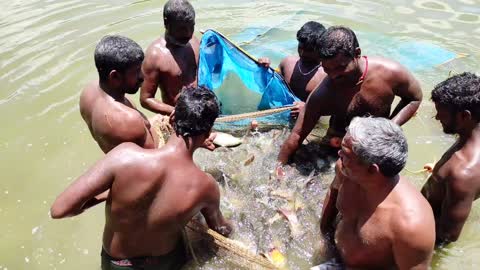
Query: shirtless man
377, 219
111, 117
153, 192
355, 86
303, 73
171, 62
455, 181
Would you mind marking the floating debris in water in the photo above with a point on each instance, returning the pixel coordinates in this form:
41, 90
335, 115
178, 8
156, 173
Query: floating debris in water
35, 230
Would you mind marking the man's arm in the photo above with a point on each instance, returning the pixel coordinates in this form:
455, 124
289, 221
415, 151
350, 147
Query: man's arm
82, 193
151, 74
408, 89
211, 212
455, 208
329, 209
306, 121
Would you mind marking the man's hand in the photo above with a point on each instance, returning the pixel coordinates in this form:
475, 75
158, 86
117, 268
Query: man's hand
208, 143
296, 110
226, 229
264, 61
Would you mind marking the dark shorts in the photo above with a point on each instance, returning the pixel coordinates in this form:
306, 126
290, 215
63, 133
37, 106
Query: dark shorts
176, 259
332, 264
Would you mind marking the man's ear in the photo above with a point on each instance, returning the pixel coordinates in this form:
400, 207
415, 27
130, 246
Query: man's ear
114, 76
373, 169
465, 115
358, 52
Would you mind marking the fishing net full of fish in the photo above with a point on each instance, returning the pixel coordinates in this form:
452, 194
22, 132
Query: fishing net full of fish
246, 90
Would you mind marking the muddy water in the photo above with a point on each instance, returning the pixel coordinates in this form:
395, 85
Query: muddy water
46, 54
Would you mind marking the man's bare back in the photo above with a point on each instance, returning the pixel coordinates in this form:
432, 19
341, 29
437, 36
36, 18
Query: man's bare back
112, 122
153, 192
153, 224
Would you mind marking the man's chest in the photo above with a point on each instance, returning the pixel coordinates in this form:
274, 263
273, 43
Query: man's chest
364, 240
364, 99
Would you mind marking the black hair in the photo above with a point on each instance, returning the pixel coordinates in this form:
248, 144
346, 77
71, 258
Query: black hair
309, 34
116, 53
458, 93
178, 11
336, 40
195, 111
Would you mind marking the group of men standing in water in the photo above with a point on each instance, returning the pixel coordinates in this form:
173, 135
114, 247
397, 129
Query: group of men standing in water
372, 216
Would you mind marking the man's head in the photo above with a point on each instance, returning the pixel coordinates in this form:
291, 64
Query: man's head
457, 101
195, 112
339, 52
179, 20
307, 38
372, 146
118, 60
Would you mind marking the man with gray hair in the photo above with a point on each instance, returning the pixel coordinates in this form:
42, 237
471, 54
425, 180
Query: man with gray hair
375, 217
171, 61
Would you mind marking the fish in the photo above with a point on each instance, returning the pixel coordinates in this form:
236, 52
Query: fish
226, 140
295, 226
276, 258
249, 160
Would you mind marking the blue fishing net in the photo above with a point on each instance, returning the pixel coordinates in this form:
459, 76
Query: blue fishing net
240, 83
417, 55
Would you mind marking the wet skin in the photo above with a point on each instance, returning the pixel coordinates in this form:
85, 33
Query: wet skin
110, 116
170, 64
153, 194
292, 67
455, 180
341, 96
376, 222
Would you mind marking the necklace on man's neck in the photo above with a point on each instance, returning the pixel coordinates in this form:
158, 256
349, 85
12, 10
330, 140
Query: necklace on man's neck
307, 73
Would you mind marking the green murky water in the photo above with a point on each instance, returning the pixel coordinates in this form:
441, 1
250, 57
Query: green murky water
46, 57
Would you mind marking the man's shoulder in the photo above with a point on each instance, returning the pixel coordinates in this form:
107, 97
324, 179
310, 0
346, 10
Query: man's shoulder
388, 67
461, 173
117, 121
157, 48
90, 90
413, 220
291, 59
414, 210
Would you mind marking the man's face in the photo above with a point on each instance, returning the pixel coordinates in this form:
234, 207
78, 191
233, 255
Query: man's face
132, 78
179, 33
352, 166
446, 118
341, 68
307, 54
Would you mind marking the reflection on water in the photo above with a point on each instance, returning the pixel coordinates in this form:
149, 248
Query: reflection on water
46, 54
